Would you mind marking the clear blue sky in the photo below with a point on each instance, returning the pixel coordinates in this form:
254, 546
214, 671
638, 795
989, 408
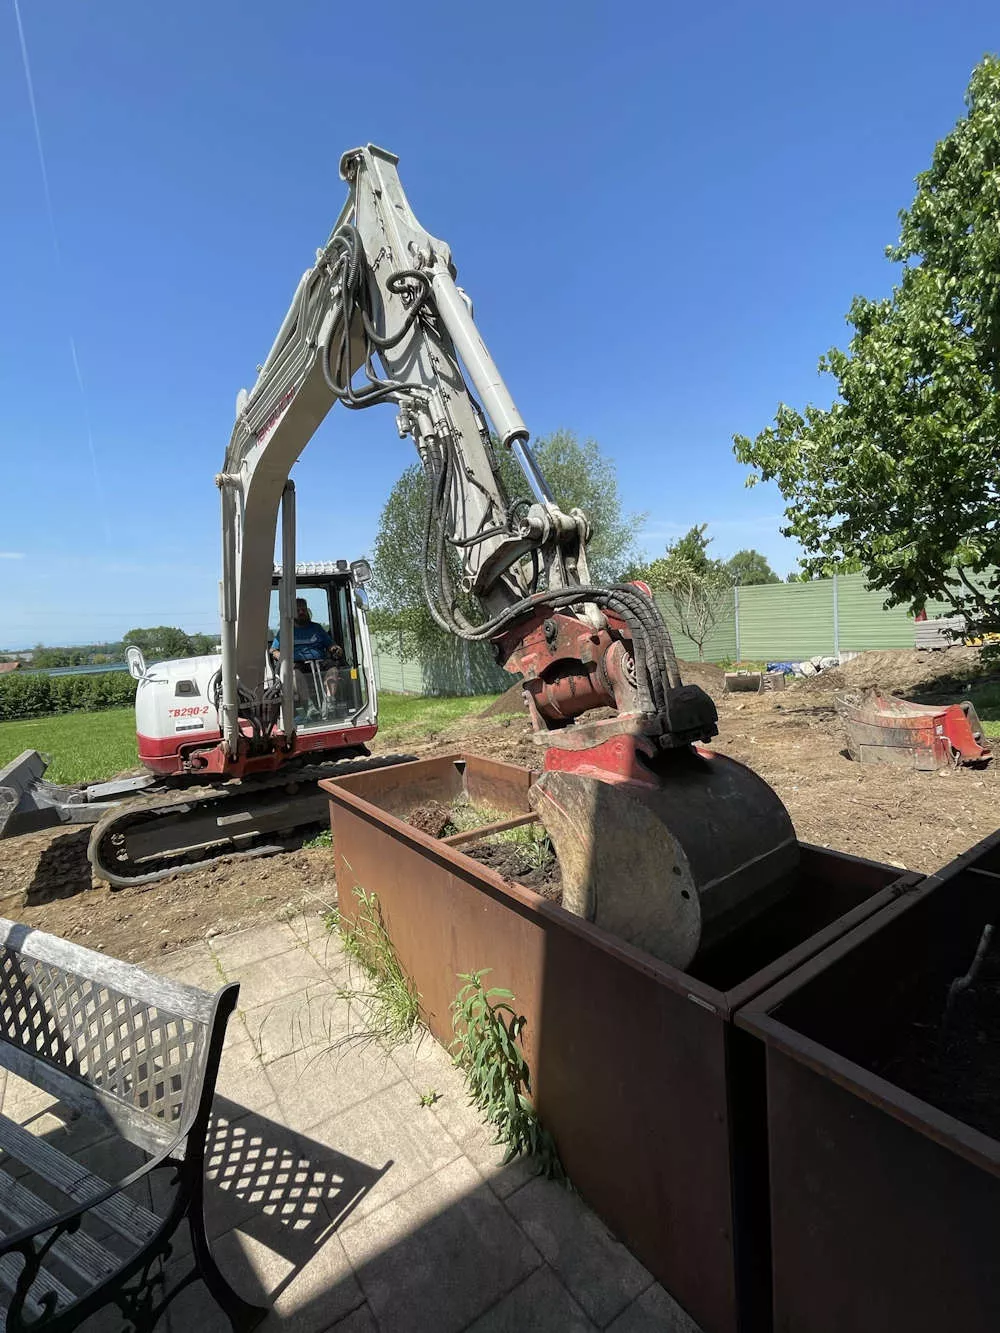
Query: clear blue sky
661, 211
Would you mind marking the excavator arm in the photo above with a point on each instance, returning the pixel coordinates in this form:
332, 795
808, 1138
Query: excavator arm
379, 319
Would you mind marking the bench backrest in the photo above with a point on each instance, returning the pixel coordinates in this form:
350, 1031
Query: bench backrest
106, 1037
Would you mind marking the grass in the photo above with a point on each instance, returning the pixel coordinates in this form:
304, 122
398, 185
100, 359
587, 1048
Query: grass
531, 840
92, 747
85, 747
390, 1004
408, 717
986, 701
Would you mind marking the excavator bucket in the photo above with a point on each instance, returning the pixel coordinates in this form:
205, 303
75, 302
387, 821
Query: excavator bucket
883, 730
671, 863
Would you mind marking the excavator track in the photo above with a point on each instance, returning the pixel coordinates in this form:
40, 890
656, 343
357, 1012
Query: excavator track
168, 833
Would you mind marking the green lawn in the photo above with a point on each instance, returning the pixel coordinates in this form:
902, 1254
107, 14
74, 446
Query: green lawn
84, 747
91, 747
986, 700
408, 717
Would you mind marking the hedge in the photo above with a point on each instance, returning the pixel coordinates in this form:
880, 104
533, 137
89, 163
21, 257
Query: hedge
35, 694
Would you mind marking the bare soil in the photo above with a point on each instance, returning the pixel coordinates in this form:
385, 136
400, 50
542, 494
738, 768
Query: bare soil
792, 739
508, 859
951, 1058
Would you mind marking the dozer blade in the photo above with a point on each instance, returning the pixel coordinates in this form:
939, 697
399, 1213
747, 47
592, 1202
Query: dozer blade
673, 865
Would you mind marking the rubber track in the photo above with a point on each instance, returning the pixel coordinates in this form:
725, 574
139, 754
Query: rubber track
102, 853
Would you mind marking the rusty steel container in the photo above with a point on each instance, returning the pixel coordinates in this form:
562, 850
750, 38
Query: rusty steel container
885, 1207
654, 1097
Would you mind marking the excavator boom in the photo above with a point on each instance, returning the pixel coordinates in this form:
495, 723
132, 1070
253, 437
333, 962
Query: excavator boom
656, 837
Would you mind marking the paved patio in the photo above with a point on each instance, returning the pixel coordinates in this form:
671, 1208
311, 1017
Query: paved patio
340, 1200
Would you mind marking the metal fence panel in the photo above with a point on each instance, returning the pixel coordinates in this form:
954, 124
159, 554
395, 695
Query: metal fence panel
456, 668
720, 646
790, 621
864, 621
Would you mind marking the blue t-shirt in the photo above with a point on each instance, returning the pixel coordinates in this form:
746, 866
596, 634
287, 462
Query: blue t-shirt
311, 643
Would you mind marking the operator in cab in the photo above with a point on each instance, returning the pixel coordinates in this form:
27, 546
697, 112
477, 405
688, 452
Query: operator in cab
312, 644
311, 641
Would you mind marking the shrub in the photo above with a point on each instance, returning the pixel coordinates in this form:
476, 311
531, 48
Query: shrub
33, 694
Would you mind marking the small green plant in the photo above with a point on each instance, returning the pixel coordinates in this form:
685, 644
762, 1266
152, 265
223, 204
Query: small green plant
429, 1097
487, 1048
324, 839
392, 1005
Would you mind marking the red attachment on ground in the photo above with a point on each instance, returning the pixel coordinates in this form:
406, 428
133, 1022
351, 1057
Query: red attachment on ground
923, 736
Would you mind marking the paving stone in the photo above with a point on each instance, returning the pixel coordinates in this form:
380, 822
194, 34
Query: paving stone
309, 1289
238, 951
655, 1311
390, 1128
477, 1142
598, 1270
22, 1101
312, 1021
360, 1320
439, 1255
286, 973
309, 927
329, 1082
194, 1310
243, 1079
540, 1304
195, 966
427, 1065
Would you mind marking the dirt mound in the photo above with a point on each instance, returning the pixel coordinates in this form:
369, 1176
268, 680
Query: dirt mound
511, 701
897, 671
710, 677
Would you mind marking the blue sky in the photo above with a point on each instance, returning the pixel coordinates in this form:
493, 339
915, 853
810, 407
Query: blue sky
661, 211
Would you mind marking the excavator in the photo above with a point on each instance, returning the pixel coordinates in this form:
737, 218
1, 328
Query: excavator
659, 839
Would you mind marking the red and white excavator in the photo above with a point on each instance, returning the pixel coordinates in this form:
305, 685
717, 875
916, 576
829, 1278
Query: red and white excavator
664, 842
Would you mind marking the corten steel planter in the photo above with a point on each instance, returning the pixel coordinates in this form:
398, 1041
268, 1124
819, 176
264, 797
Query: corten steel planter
655, 1099
885, 1208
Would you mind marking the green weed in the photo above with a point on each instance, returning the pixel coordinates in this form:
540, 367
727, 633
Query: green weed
487, 1048
429, 1097
391, 1006
324, 839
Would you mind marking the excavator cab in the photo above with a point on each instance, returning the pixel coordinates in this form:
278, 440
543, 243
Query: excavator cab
331, 642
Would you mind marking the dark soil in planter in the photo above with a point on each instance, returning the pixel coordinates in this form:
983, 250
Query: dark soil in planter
515, 862
434, 818
954, 1064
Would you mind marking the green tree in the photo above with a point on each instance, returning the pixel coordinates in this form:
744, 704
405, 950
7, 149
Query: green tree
162, 643
900, 473
749, 568
579, 475
697, 589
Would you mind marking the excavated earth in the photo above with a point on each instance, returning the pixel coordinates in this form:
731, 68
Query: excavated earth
791, 738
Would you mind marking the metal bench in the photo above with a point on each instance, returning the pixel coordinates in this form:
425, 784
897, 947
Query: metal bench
139, 1055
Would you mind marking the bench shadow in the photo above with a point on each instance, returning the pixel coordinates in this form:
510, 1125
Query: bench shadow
289, 1192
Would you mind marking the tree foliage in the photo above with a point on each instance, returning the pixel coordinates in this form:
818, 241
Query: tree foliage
900, 473
748, 569
579, 476
697, 589
166, 643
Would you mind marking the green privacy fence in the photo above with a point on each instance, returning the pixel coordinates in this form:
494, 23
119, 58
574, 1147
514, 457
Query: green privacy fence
791, 621
457, 668
772, 622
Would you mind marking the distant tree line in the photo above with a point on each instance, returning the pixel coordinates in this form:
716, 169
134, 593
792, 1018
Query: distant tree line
160, 643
